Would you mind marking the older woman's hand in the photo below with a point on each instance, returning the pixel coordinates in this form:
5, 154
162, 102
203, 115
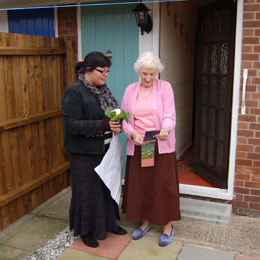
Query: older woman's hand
163, 136
115, 127
137, 138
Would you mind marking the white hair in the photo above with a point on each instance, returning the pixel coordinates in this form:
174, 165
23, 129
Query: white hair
148, 60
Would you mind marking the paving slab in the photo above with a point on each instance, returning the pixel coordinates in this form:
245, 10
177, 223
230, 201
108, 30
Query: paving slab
34, 233
56, 207
205, 211
189, 252
109, 248
240, 257
148, 248
7, 252
71, 254
241, 236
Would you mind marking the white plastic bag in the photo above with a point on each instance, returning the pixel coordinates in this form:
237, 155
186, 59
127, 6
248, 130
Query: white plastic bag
111, 168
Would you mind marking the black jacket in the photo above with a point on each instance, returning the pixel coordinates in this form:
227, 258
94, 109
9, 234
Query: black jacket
83, 120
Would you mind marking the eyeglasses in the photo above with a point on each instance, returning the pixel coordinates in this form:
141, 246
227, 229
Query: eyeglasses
103, 72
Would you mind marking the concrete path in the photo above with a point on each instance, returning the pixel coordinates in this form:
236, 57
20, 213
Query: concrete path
192, 241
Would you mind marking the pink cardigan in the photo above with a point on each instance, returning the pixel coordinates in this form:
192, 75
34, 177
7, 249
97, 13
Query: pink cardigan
163, 113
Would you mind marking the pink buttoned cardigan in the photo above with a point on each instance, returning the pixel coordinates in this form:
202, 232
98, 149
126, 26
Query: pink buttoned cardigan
163, 113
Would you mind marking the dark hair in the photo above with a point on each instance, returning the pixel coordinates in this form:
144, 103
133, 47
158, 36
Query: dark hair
92, 60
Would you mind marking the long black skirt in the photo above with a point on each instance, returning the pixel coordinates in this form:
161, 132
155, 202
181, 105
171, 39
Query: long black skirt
92, 208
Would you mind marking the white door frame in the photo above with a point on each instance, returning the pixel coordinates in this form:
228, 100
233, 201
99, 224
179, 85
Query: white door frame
150, 42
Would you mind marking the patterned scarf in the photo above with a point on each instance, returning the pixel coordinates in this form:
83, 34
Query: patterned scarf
104, 94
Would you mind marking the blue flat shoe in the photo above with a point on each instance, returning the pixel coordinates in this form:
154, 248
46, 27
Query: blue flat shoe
165, 239
139, 233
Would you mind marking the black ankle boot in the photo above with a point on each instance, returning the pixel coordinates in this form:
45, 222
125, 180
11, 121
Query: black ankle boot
119, 231
90, 240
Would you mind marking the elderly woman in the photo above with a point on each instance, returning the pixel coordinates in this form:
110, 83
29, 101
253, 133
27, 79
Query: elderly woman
151, 194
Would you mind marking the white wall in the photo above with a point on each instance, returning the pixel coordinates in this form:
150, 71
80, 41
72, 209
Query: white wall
177, 52
3, 21
150, 41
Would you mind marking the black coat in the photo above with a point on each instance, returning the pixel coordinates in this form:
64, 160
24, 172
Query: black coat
83, 120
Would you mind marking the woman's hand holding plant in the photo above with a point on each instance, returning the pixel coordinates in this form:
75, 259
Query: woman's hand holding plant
116, 116
115, 127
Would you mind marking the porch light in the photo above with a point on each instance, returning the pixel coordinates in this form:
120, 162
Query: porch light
143, 19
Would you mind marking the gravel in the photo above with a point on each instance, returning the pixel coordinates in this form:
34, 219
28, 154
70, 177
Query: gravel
54, 247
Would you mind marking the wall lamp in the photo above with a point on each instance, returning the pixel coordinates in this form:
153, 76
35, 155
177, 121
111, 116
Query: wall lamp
143, 19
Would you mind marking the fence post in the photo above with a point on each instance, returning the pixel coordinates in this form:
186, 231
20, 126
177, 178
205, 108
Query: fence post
70, 66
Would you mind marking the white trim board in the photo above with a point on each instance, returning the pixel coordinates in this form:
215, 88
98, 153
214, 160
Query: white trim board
227, 194
3, 22
79, 33
150, 41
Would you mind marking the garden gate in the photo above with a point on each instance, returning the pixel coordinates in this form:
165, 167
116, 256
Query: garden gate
34, 71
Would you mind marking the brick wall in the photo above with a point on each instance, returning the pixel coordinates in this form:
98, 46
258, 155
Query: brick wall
67, 24
247, 172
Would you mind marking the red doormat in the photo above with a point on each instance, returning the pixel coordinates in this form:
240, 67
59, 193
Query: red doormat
110, 248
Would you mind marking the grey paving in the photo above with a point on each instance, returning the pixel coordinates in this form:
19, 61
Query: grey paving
71, 254
56, 207
147, 248
241, 236
189, 252
205, 211
11, 253
32, 231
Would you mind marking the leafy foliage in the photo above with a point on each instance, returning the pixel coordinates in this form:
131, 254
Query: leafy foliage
117, 114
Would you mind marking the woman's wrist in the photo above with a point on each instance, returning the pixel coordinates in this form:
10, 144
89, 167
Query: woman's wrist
133, 135
166, 128
106, 125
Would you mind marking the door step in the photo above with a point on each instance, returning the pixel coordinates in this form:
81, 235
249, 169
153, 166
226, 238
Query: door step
205, 211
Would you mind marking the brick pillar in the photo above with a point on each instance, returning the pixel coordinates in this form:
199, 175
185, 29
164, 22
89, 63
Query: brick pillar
67, 24
247, 171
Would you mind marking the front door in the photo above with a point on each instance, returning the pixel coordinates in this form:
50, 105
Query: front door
112, 29
214, 83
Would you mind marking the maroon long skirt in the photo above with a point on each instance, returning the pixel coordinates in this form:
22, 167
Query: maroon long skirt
151, 192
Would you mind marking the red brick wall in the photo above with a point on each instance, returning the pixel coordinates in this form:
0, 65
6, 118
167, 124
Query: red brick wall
67, 24
247, 172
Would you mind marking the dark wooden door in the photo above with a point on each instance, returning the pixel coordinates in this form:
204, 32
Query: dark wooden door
214, 82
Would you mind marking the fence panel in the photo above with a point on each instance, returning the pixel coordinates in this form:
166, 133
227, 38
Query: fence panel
34, 72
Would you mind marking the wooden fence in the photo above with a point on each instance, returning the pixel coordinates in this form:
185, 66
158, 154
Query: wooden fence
34, 72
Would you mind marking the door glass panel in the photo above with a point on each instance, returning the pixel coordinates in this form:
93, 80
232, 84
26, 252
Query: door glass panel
202, 148
214, 59
215, 26
204, 96
213, 91
219, 158
203, 119
222, 94
223, 58
211, 152
205, 59
204, 80
224, 24
206, 28
221, 125
212, 120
